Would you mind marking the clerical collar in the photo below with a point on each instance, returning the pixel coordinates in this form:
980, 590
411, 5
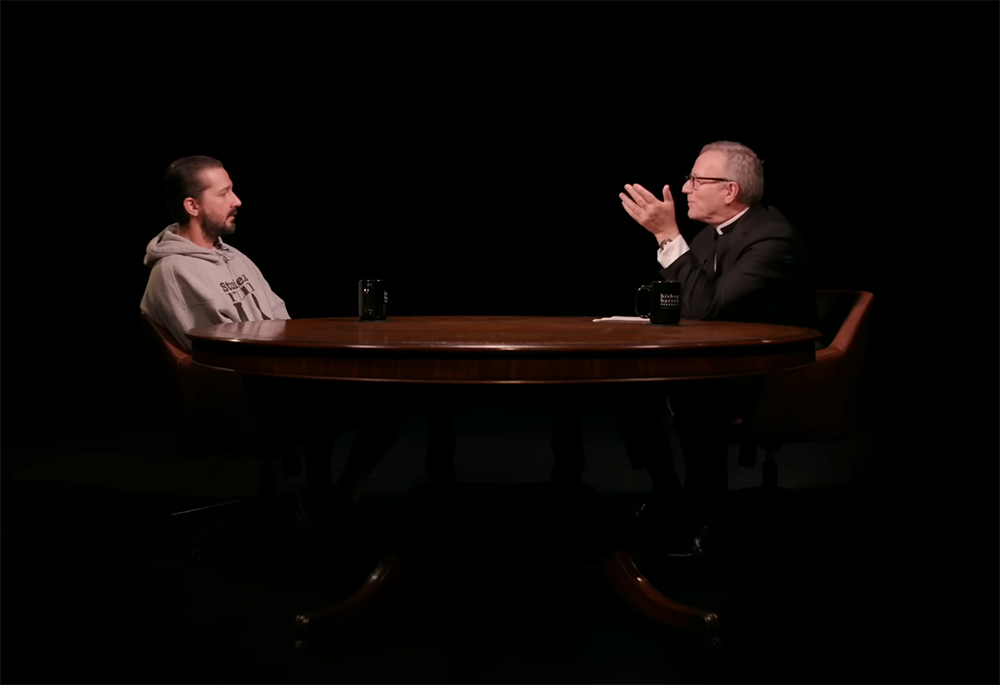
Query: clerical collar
718, 229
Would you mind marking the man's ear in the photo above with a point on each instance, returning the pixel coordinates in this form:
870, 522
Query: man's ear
191, 205
733, 192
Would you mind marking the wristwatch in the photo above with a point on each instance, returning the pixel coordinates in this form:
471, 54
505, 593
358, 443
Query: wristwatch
665, 242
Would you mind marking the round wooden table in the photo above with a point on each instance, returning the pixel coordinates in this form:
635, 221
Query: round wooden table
503, 349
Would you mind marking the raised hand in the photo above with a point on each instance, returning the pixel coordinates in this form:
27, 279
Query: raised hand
656, 216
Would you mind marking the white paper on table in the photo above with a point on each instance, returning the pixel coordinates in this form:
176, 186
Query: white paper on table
624, 318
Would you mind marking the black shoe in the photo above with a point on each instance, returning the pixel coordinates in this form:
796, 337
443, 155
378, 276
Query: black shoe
686, 545
661, 514
655, 519
660, 523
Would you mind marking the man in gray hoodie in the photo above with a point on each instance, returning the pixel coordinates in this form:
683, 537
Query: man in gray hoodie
196, 279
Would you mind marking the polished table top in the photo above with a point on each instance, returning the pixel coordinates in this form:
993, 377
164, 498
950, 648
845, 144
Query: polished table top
501, 349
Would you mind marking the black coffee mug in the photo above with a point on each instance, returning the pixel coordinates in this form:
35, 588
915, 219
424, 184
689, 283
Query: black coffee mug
663, 302
373, 299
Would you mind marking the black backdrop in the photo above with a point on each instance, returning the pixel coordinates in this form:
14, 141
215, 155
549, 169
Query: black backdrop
492, 194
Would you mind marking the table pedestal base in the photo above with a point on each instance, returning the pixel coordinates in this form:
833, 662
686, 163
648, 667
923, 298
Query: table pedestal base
380, 586
437, 552
640, 594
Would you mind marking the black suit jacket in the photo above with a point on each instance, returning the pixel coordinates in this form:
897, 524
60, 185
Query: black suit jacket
763, 274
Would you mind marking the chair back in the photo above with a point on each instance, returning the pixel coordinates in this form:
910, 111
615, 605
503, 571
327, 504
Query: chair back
817, 403
208, 407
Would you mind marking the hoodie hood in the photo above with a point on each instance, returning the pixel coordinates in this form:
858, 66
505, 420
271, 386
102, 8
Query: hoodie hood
168, 243
191, 286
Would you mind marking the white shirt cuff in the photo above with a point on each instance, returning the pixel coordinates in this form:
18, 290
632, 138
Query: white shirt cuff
671, 252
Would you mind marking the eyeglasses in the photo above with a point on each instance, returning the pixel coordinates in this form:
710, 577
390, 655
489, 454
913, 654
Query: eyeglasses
696, 181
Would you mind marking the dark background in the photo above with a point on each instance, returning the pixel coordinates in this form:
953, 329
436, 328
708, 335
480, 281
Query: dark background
471, 194
472, 155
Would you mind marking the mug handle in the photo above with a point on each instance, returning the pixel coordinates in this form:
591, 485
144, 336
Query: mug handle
648, 289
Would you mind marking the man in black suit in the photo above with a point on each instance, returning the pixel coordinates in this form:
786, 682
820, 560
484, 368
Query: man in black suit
747, 264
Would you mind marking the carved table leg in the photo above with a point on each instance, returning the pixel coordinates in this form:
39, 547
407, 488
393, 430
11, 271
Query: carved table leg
371, 596
640, 594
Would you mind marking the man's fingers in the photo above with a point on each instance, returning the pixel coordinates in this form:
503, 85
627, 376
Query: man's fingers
645, 194
627, 201
635, 195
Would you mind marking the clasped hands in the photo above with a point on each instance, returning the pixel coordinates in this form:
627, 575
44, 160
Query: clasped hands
656, 216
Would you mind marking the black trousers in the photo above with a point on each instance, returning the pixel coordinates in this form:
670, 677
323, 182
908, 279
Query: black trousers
705, 414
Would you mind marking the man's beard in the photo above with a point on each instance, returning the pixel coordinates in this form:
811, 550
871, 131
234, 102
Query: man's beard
213, 228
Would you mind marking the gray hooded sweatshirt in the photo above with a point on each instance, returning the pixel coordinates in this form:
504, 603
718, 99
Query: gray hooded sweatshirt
191, 286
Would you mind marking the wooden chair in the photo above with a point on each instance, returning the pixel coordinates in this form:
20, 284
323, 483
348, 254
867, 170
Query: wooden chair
208, 409
210, 414
815, 403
